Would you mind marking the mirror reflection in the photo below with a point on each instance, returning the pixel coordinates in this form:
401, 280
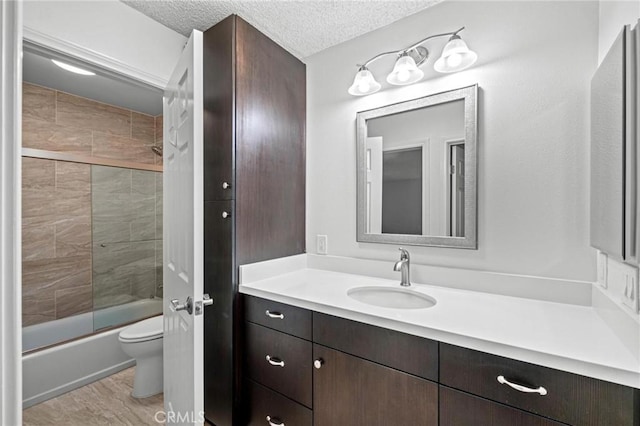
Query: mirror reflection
417, 171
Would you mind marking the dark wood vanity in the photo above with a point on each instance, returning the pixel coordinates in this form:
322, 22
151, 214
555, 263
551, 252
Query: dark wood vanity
307, 368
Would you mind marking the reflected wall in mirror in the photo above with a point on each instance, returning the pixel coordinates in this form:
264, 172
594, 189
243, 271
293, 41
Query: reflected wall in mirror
417, 171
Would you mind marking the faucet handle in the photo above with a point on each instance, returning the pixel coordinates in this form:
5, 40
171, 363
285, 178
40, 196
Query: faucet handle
404, 254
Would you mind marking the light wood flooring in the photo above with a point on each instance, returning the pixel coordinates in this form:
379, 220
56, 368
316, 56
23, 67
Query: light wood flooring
105, 402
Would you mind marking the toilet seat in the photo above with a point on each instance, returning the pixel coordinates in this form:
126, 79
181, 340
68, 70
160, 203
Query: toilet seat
143, 331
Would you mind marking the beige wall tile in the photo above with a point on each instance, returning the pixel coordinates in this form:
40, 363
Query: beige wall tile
38, 242
38, 207
73, 176
38, 102
41, 278
73, 238
122, 148
87, 114
38, 174
40, 134
73, 301
37, 309
143, 127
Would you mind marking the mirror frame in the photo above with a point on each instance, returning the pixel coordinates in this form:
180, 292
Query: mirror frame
470, 240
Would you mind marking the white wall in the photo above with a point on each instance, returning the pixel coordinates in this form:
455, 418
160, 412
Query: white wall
110, 29
612, 16
535, 63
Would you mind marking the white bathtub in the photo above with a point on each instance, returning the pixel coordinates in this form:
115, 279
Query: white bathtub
53, 371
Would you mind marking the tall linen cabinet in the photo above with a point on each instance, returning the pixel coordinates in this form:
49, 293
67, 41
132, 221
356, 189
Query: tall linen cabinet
254, 186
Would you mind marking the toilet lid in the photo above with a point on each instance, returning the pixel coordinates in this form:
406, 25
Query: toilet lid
148, 329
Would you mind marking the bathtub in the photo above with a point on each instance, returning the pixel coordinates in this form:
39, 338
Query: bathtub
59, 369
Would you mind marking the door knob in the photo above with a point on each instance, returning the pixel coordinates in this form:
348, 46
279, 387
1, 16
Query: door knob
225, 215
225, 185
318, 363
187, 306
206, 301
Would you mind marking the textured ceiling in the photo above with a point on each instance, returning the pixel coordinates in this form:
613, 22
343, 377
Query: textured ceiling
303, 27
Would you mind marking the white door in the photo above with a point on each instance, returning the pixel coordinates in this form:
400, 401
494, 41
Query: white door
374, 185
183, 240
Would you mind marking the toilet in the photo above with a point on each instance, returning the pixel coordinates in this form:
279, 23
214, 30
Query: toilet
142, 341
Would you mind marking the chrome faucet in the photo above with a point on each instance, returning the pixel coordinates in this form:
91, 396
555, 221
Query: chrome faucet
403, 266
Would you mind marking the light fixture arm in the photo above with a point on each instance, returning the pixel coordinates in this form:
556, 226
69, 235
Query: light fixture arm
413, 46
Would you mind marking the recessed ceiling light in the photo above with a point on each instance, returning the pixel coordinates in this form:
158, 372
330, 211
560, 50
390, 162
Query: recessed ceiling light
72, 68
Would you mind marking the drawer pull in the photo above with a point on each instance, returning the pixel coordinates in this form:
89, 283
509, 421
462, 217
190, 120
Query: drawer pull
274, 314
275, 361
540, 390
274, 421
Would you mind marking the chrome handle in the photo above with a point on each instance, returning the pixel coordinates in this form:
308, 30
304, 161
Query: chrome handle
542, 391
187, 306
206, 300
274, 421
318, 363
225, 185
225, 215
275, 361
274, 314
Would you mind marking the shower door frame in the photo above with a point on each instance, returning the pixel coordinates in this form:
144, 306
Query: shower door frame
10, 213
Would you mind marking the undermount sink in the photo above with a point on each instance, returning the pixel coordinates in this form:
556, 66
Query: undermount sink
391, 297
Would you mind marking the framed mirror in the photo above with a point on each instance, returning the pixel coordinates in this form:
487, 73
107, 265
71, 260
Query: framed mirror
417, 171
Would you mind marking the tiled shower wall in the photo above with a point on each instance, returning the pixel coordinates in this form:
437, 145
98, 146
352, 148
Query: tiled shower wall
57, 202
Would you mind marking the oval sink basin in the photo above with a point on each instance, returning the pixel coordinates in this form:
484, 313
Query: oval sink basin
391, 297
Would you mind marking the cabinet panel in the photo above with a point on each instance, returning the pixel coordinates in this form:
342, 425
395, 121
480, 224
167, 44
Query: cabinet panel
270, 142
221, 283
352, 391
293, 376
265, 403
401, 351
461, 409
570, 398
219, 111
286, 318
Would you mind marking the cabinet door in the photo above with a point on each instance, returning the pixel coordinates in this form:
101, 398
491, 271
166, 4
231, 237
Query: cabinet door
220, 283
356, 392
461, 409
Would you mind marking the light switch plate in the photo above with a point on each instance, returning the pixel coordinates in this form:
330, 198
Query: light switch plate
321, 244
630, 290
602, 269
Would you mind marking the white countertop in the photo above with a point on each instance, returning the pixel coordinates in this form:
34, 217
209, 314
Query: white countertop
558, 335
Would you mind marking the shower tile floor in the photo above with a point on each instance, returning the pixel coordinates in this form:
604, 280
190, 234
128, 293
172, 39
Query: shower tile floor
105, 402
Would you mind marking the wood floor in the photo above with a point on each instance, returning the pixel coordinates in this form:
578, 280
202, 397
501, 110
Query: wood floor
105, 402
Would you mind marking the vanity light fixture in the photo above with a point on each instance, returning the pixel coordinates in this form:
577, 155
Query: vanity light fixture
72, 68
456, 56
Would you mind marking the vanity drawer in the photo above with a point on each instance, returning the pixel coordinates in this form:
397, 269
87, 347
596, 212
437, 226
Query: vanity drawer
411, 354
265, 403
570, 398
281, 317
280, 362
461, 409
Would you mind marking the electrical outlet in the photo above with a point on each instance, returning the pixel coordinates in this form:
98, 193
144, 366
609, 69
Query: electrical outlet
602, 269
630, 290
321, 244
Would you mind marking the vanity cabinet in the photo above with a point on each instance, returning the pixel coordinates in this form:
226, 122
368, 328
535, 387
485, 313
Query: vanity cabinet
341, 372
566, 397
